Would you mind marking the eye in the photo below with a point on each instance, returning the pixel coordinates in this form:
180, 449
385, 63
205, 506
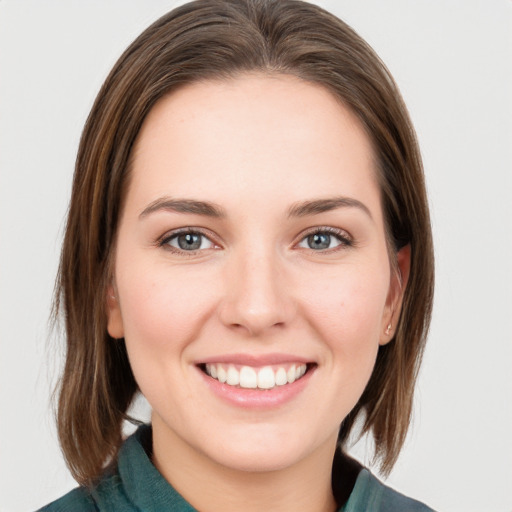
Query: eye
187, 241
324, 239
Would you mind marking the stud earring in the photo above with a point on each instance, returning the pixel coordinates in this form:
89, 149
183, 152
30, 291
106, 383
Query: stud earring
388, 330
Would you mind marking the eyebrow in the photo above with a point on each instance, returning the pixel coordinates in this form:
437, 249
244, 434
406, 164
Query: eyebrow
209, 209
317, 206
184, 206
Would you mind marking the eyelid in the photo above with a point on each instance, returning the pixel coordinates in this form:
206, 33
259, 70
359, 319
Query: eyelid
345, 238
163, 241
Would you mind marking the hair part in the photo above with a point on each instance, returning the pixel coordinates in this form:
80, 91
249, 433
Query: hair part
220, 39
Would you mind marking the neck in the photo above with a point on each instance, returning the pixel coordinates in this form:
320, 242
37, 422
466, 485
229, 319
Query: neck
211, 487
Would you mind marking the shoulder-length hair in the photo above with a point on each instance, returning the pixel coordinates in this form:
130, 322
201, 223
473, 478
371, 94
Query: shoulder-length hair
216, 39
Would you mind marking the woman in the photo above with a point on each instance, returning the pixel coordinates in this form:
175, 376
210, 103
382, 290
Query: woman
256, 260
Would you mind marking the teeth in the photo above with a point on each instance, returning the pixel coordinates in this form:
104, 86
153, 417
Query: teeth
291, 374
266, 378
281, 378
222, 376
252, 378
233, 376
248, 377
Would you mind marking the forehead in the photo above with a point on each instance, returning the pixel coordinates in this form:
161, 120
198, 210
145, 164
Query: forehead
252, 131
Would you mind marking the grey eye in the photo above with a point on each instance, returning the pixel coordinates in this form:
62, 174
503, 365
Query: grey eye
320, 241
190, 242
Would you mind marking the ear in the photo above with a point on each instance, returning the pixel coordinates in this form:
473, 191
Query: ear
114, 318
397, 286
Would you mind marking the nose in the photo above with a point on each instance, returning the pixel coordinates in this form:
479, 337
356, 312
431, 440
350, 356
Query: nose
257, 298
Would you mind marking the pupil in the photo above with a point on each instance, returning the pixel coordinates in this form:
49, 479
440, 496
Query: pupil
189, 241
319, 241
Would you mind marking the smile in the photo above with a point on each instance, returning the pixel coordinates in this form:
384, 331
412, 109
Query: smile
248, 377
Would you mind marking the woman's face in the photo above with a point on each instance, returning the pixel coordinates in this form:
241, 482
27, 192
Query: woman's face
251, 248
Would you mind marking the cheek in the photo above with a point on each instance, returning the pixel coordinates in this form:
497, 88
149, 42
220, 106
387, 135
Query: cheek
162, 307
163, 313
348, 309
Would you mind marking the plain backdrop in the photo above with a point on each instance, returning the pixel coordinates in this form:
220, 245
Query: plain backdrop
453, 62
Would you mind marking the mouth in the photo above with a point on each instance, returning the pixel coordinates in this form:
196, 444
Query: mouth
250, 377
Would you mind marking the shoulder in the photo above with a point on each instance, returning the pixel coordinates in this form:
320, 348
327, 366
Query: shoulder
371, 494
119, 484
78, 499
392, 500
108, 494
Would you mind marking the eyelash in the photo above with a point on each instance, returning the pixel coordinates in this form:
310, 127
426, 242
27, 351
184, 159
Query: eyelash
344, 239
164, 242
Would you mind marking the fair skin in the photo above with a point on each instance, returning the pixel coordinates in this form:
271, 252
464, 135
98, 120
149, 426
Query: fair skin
252, 237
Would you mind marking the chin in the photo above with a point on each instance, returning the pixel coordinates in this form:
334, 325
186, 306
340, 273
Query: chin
257, 461
258, 450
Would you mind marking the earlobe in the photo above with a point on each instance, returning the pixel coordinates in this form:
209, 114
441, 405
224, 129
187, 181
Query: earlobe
114, 318
398, 284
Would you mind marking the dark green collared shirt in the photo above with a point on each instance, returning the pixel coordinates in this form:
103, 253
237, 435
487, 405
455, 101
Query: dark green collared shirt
137, 486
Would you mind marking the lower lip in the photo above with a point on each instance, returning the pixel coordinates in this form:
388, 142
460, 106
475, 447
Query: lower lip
257, 398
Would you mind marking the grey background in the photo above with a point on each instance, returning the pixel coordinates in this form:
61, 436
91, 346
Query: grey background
453, 62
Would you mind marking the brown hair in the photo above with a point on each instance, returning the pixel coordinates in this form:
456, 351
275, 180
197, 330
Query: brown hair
212, 39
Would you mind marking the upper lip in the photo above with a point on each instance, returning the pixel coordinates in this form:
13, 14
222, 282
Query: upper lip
255, 360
